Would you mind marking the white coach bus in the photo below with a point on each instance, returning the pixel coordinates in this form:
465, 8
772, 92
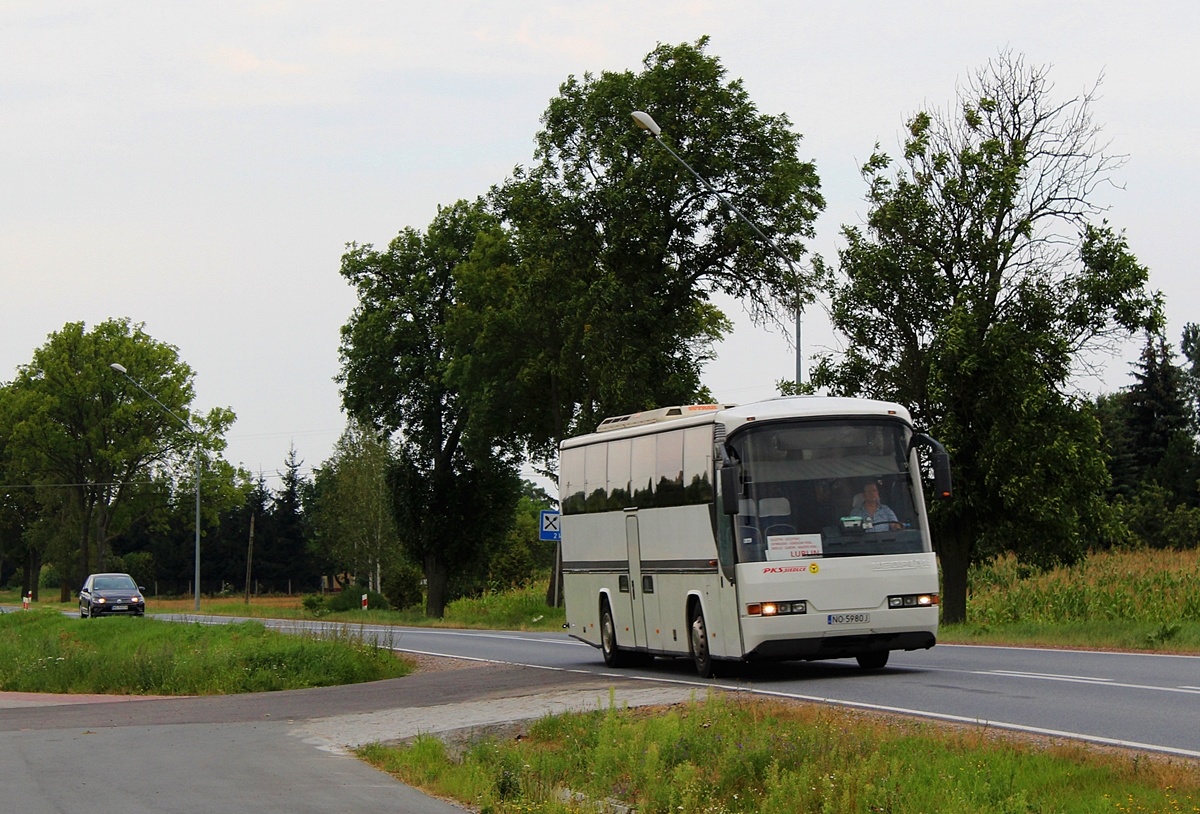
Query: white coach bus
793, 528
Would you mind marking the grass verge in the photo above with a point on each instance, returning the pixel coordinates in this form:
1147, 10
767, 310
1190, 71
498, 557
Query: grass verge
1179, 637
45, 651
1144, 599
742, 755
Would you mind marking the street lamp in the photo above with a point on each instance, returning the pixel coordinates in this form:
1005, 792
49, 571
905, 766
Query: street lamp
647, 123
188, 426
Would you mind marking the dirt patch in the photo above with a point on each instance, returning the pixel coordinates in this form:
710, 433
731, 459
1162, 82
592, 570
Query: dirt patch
437, 664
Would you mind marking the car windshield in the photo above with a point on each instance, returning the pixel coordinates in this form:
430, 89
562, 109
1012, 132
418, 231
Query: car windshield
826, 489
114, 583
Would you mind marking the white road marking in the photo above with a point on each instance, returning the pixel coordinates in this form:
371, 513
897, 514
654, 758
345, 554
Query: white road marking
1104, 682
1034, 730
1025, 674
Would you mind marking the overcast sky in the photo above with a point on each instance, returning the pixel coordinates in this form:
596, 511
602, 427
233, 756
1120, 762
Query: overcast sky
199, 167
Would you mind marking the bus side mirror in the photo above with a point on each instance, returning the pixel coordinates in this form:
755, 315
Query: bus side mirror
943, 483
730, 487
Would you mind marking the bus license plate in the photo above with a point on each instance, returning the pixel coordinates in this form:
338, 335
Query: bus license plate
849, 618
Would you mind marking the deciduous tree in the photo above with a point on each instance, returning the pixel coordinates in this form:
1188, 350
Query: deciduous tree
597, 299
449, 477
979, 278
89, 438
352, 519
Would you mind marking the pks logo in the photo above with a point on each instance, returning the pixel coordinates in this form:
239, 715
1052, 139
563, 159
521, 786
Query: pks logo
811, 568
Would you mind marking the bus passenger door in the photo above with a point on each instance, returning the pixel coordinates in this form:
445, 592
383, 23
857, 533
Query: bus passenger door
633, 539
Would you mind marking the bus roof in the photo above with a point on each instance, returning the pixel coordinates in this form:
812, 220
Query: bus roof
734, 416
657, 416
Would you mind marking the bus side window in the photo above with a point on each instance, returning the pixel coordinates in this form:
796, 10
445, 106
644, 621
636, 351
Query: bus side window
669, 469
596, 477
641, 469
619, 496
572, 481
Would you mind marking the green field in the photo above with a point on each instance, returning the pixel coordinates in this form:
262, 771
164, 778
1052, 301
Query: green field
1128, 600
45, 651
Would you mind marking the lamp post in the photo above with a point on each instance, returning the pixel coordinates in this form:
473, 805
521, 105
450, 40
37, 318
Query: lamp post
647, 123
188, 426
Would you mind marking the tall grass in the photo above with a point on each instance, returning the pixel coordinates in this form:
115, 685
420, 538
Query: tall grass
1145, 598
517, 609
740, 755
1146, 585
45, 651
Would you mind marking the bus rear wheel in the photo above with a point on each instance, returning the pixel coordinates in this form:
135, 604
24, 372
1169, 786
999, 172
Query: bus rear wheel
613, 656
873, 661
701, 655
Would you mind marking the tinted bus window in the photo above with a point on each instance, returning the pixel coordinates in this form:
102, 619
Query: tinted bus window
571, 478
697, 464
669, 469
642, 471
619, 453
596, 477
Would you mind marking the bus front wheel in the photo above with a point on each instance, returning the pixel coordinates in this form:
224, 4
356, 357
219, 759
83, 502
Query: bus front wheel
613, 656
700, 652
873, 661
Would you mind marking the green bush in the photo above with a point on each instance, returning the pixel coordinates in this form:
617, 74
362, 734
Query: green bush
1156, 523
402, 584
49, 577
351, 599
315, 604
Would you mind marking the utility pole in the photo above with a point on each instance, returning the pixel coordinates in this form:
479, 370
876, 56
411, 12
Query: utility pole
250, 556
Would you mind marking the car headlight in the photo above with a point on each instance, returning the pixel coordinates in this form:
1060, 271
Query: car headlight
99, 600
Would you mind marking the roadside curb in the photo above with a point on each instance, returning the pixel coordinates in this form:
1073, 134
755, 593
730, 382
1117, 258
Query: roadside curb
463, 722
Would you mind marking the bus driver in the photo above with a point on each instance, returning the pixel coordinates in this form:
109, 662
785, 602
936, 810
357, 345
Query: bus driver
881, 516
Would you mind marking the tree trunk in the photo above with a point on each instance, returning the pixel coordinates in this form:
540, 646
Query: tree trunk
954, 552
437, 578
554, 593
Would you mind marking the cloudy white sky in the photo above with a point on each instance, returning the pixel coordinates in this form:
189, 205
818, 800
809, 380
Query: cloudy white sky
199, 167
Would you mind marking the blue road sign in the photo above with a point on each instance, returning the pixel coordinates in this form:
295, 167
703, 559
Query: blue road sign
550, 528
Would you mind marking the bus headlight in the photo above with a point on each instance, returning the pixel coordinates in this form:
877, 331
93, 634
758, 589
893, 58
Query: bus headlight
777, 608
913, 601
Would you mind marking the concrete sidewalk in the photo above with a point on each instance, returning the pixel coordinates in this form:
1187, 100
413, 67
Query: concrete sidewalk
465, 720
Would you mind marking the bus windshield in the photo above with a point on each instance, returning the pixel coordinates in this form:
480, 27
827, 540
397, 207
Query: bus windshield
826, 488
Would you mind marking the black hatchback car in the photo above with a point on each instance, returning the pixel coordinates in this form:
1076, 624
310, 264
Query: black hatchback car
111, 594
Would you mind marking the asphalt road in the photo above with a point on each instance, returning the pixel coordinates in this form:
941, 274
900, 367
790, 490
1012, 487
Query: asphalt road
1142, 701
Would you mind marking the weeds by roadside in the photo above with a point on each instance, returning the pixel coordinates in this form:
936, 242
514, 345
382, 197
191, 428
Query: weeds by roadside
1145, 599
724, 755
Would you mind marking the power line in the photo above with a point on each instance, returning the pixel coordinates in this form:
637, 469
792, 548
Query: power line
64, 485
